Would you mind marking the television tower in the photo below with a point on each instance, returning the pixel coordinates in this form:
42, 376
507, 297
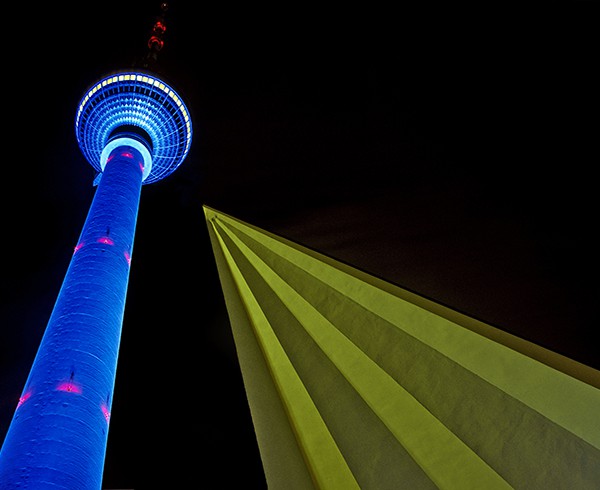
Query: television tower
134, 129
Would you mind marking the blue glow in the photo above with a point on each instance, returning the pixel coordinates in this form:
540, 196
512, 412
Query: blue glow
129, 142
133, 129
141, 100
58, 435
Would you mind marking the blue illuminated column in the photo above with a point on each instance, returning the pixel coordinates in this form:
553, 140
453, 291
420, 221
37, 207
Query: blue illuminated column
134, 129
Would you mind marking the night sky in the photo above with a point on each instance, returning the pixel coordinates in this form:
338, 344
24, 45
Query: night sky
451, 153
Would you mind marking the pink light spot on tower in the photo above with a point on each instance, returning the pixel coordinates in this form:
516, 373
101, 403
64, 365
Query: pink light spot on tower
141, 167
69, 386
127, 257
105, 412
106, 240
23, 398
77, 247
127, 154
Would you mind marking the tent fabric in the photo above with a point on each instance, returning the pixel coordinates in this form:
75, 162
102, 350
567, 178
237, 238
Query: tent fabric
354, 382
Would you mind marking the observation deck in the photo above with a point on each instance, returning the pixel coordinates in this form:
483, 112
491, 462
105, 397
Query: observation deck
136, 103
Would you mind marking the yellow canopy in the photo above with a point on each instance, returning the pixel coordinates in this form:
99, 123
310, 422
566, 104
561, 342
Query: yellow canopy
354, 382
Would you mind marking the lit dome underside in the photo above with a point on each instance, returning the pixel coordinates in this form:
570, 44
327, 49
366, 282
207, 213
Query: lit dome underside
141, 100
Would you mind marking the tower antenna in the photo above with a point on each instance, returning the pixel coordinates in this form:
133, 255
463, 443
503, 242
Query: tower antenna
156, 40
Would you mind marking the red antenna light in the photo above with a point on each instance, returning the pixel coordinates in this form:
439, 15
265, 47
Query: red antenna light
156, 41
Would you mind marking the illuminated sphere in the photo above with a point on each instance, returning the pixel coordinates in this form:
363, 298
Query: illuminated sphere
140, 106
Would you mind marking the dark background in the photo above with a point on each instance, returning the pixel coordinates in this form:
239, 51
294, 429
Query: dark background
450, 152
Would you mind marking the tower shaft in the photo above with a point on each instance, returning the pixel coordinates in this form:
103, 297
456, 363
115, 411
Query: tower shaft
59, 432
